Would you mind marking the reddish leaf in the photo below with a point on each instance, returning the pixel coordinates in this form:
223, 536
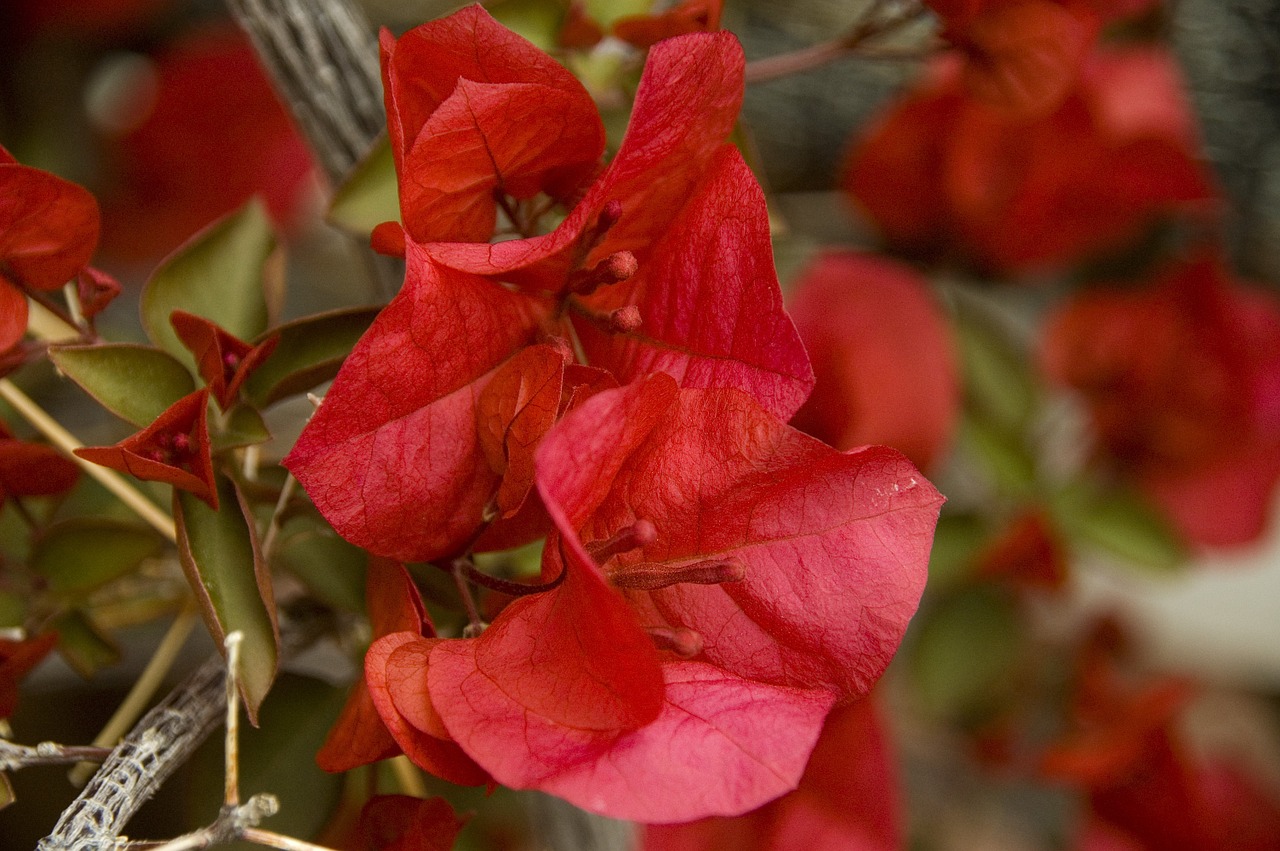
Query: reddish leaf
359, 737
473, 109
402, 823
224, 360
883, 354
32, 469
392, 458
710, 308
833, 546
17, 658
174, 449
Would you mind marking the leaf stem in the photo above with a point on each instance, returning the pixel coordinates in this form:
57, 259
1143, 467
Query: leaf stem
67, 442
409, 777
231, 777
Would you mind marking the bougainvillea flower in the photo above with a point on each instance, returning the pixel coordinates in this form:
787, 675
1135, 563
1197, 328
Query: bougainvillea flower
688, 17
224, 360
1147, 789
210, 135
1021, 56
1028, 552
885, 364
403, 823
173, 449
847, 799
359, 736
1182, 381
946, 177
474, 109
48, 233
17, 658
722, 580
32, 469
400, 458
95, 289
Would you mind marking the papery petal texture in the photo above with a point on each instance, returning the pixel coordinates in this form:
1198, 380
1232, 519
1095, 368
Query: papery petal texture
392, 457
834, 545
710, 306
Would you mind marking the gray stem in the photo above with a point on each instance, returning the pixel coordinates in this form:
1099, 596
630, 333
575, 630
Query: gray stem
160, 742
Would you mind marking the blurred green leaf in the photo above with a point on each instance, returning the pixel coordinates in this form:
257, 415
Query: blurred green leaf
82, 553
136, 383
605, 12
956, 541
13, 609
310, 352
999, 383
332, 569
1003, 456
370, 195
219, 553
964, 655
537, 20
86, 649
222, 274
1121, 523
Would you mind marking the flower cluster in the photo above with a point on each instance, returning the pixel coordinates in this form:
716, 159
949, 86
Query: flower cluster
713, 581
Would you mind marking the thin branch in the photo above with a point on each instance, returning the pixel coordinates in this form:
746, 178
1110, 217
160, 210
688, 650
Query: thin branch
870, 27
14, 756
231, 748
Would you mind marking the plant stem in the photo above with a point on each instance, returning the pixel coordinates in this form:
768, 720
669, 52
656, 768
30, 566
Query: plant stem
67, 442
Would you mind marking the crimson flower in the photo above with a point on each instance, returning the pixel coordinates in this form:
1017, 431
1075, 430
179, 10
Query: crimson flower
224, 360
1028, 552
210, 135
173, 449
882, 354
1182, 381
404, 823
847, 799
946, 177
32, 469
17, 659
48, 233
664, 264
716, 582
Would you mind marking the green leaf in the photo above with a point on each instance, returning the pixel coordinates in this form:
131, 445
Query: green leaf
278, 758
243, 426
85, 647
13, 609
83, 553
1122, 523
309, 353
537, 20
136, 383
998, 381
956, 542
605, 12
332, 569
964, 655
222, 274
219, 553
1003, 456
370, 195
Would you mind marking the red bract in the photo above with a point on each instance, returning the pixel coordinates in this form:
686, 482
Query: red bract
948, 178
32, 469
48, 233
17, 658
687, 17
412, 444
1027, 552
224, 361
174, 449
737, 577
847, 799
402, 823
1182, 379
213, 136
473, 109
882, 354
